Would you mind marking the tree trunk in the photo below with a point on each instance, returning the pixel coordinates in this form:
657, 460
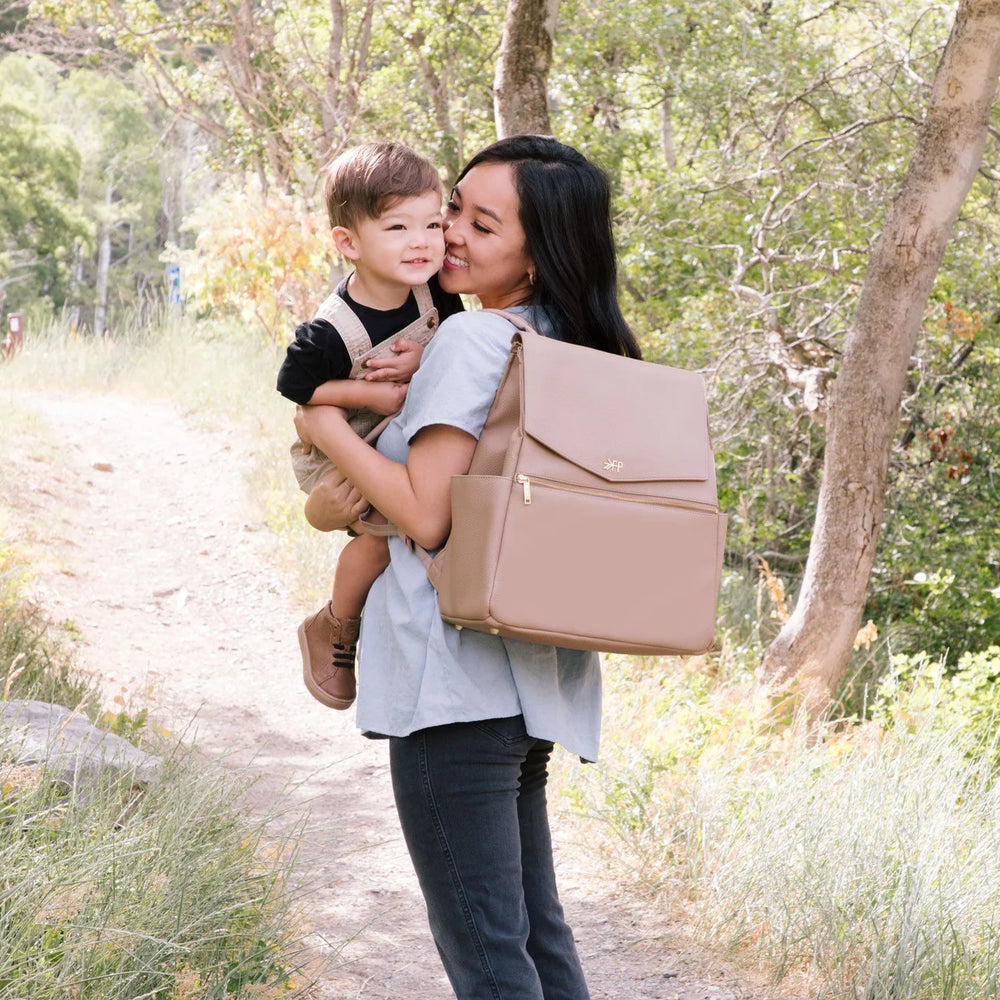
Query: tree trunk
436, 85
520, 87
76, 280
103, 266
667, 129
345, 71
816, 643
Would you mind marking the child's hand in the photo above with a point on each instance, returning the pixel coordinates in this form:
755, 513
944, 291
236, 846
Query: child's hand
399, 368
385, 398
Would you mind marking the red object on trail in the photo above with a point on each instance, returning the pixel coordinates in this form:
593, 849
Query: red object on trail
14, 340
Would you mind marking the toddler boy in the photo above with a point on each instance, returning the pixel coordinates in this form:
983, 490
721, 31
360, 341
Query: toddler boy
384, 205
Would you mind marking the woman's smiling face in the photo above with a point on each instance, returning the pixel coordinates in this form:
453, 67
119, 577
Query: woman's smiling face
484, 240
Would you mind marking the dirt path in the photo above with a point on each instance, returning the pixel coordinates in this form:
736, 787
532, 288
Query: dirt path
141, 534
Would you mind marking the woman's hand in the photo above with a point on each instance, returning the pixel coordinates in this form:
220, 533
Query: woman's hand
309, 418
386, 398
300, 430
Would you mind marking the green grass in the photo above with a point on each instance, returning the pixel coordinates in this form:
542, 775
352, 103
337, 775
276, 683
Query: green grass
174, 892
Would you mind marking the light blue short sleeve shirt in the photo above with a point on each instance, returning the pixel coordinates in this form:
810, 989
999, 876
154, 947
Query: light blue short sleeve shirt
415, 670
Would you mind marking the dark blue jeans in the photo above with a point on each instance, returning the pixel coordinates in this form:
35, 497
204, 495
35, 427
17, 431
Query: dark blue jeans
471, 802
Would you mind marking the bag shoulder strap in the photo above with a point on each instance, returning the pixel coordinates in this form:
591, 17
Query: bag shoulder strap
426, 559
352, 331
516, 320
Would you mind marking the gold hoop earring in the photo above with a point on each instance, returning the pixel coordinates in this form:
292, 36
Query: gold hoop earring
531, 277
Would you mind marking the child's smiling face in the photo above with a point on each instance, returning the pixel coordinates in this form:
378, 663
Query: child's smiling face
402, 248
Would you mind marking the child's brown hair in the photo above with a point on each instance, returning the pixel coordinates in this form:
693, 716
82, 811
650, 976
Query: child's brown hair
364, 181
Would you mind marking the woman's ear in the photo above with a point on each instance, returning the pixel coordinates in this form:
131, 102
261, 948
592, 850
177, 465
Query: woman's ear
346, 242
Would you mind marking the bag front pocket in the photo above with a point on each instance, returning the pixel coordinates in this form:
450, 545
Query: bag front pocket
648, 583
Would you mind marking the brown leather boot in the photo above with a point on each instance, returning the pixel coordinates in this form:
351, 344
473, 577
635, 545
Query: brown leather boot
328, 645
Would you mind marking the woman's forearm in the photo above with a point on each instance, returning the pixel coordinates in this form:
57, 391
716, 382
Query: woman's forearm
415, 496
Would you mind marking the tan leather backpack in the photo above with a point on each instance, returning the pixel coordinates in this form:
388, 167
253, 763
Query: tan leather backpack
589, 517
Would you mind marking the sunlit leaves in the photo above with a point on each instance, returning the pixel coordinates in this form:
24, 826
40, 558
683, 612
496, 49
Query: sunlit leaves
261, 258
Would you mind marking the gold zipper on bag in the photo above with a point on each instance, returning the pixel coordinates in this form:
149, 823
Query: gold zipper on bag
527, 481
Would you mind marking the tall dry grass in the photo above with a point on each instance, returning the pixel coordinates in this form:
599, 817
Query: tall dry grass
175, 894
860, 859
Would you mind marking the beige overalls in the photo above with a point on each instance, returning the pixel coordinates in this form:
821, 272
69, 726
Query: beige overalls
310, 466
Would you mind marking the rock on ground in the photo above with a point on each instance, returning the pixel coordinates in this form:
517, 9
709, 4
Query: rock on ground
73, 751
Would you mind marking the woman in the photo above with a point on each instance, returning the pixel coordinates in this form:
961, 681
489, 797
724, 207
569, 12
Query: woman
472, 718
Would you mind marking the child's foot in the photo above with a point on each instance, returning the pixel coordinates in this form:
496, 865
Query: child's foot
328, 645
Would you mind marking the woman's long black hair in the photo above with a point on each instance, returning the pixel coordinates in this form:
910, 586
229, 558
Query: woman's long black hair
566, 216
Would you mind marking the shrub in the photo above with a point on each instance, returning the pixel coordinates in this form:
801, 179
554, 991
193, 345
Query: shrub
263, 259
964, 699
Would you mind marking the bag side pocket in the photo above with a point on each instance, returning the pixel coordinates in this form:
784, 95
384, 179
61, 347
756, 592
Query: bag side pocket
464, 569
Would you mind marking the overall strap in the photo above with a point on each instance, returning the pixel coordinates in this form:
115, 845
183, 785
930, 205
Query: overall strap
423, 296
352, 331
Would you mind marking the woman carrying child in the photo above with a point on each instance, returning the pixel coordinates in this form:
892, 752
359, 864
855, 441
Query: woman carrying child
472, 718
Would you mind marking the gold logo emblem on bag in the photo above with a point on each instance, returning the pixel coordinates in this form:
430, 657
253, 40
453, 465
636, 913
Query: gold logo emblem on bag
612, 465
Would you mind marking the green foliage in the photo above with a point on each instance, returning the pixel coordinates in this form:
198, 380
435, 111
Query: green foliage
936, 584
121, 190
963, 698
82, 158
283, 87
40, 224
865, 864
431, 80
753, 149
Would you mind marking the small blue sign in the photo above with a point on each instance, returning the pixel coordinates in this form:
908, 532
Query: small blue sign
174, 284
